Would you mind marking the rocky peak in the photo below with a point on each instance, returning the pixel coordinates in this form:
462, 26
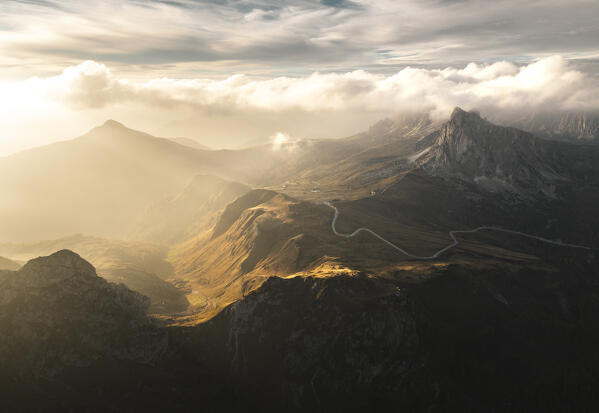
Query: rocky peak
498, 158
63, 315
467, 135
460, 116
60, 266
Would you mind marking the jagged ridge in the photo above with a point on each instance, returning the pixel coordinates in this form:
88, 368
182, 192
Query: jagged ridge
497, 158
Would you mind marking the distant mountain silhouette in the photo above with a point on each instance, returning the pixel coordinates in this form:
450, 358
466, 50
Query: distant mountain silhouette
96, 184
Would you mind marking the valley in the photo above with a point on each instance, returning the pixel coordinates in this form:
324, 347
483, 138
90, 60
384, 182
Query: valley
320, 276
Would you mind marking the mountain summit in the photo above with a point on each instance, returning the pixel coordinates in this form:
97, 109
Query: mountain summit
59, 267
110, 123
473, 149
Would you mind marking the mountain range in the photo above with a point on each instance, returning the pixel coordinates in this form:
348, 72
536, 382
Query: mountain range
453, 267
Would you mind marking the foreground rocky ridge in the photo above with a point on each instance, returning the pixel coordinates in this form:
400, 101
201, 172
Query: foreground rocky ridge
466, 339
140, 266
56, 313
71, 341
464, 336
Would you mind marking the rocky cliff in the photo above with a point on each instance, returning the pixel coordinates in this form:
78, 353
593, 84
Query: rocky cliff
56, 313
495, 158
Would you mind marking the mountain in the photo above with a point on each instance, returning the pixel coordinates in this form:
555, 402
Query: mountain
373, 160
412, 190
460, 338
141, 267
382, 299
180, 217
73, 341
303, 319
57, 313
579, 127
260, 234
101, 182
496, 158
402, 127
96, 184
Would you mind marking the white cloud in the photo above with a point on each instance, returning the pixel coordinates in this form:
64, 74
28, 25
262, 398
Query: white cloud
89, 90
549, 82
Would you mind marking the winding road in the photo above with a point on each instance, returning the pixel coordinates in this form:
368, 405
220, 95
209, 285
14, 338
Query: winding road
452, 234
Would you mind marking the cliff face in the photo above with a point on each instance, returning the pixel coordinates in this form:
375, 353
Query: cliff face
581, 126
569, 126
495, 158
56, 313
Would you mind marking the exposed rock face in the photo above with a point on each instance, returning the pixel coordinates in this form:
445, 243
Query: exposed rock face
496, 158
568, 126
56, 313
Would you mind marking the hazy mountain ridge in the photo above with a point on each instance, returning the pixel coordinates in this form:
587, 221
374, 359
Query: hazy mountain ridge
111, 174
114, 173
177, 218
6, 264
192, 143
141, 267
581, 127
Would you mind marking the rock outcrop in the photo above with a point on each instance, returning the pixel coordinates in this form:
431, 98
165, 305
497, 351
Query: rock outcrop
56, 313
495, 158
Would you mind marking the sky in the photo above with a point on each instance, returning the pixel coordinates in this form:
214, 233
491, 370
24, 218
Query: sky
233, 73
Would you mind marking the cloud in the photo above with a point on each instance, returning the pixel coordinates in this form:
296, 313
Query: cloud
287, 37
549, 83
241, 109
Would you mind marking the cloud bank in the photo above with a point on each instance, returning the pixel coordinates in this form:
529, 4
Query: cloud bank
501, 89
548, 83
